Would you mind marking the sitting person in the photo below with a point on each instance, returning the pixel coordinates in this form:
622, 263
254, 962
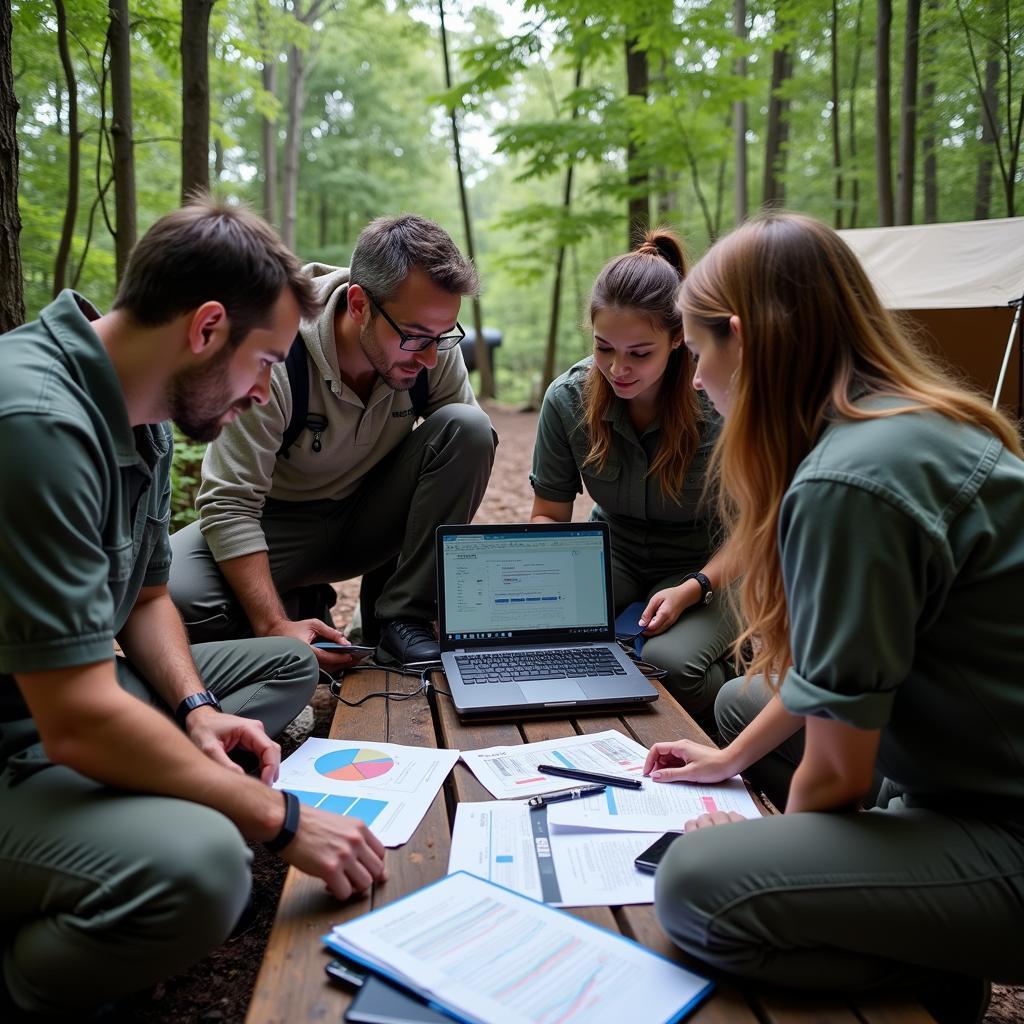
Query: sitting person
359, 487
122, 846
625, 424
877, 508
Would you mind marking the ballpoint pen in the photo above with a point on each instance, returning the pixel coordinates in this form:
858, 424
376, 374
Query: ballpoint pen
565, 794
576, 773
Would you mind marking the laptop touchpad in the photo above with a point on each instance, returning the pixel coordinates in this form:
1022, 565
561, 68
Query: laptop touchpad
543, 692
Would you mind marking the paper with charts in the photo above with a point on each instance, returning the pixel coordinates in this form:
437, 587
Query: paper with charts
490, 955
387, 785
658, 807
512, 771
511, 844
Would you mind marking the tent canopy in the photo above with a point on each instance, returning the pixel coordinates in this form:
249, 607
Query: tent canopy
965, 265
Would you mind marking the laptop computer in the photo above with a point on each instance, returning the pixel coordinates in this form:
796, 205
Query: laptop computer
526, 620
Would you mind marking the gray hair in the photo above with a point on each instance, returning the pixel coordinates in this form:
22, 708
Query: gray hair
389, 248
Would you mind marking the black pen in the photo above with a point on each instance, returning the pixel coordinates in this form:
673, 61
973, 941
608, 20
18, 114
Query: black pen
565, 794
576, 773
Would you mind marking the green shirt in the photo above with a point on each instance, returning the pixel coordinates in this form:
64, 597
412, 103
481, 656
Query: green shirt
84, 502
656, 532
902, 547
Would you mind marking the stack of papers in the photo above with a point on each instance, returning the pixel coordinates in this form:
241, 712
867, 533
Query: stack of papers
486, 954
387, 785
576, 853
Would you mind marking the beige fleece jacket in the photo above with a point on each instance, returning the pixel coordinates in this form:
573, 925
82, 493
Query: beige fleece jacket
241, 467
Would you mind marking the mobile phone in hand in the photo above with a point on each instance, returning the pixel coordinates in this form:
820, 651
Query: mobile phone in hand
357, 651
648, 860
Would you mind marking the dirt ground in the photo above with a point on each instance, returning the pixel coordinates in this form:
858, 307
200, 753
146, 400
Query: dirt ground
218, 988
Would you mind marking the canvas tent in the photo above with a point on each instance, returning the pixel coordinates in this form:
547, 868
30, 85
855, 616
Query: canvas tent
959, 282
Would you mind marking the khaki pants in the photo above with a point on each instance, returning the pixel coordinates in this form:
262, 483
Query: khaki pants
105, 892
437, 475
847, 901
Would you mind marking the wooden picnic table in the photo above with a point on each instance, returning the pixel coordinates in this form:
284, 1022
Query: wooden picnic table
292, 987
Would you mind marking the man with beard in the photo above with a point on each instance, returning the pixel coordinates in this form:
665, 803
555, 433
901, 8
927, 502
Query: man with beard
358, 491
123, 808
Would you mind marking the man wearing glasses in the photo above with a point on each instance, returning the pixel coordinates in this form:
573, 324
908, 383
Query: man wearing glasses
358, 491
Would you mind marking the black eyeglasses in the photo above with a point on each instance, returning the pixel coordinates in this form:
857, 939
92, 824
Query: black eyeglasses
419, 342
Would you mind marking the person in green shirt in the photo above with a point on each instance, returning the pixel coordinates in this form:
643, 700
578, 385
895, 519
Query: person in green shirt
124, 814
625, 424
877, 509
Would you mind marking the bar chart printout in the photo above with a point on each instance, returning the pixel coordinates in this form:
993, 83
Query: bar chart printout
491, 955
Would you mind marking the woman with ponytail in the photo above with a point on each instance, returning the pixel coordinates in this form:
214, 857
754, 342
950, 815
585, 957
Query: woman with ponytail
626, 425
876, 508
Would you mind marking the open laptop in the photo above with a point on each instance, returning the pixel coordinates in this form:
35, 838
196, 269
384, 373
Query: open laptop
526, 620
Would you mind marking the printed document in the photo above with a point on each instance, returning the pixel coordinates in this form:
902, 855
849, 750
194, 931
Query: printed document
387, 785
490, 955
512, 771
658, 807
511, 844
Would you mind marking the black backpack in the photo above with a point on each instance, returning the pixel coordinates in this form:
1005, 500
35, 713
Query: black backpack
297, 365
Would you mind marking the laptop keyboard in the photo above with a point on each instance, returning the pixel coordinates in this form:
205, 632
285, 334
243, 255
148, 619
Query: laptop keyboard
520, 666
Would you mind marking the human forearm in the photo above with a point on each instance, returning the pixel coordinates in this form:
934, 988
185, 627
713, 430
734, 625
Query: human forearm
88, 723
769, 729
250, 579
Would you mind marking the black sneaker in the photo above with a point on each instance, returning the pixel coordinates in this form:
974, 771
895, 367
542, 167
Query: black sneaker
407, 642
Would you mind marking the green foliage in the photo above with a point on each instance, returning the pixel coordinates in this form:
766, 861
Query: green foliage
185, 477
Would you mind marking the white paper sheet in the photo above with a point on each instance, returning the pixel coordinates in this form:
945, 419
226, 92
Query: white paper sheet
658, 807
512, 845
491, 955
387, 785
512, 771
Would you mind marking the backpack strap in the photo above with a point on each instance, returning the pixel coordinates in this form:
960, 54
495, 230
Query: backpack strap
419, 394
297, 365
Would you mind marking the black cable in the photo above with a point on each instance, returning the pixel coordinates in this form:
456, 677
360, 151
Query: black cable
335, 683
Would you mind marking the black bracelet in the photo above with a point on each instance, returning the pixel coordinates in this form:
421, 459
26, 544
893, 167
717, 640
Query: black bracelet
290, 826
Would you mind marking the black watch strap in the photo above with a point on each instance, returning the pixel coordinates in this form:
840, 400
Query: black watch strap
290, 826
706, 592
195, 700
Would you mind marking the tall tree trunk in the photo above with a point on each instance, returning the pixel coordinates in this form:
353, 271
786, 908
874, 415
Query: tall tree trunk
551, 348
195, 96
739, 112
929, 154
74, 139
908, 114
122, 133
268, 128
883, 136
983, 181
837, 150
296, 102
851, 149
777, 131
483, 355
12, 298
638, 207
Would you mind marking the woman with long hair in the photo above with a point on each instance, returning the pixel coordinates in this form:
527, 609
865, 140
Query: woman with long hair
876, 508
625, 424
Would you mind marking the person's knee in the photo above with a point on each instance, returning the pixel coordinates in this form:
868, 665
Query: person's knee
732, 706
693, 681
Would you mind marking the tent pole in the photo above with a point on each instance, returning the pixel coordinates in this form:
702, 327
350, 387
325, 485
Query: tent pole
1006, 357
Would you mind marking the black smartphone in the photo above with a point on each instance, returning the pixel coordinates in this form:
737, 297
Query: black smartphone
356, 650
648, 860
346, 972
379, 1002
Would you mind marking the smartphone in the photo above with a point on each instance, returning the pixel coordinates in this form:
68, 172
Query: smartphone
356, 650
648, 860
346, 972
379, 1002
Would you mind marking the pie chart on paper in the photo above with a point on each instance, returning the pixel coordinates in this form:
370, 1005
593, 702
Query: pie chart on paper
354, 764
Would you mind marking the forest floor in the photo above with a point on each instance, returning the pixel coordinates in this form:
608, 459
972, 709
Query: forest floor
217, 990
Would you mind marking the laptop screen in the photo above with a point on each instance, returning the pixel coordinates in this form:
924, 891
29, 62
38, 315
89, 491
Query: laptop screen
517, 584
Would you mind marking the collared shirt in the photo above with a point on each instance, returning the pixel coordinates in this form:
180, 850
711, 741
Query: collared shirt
84, 499
902, 554
662, 532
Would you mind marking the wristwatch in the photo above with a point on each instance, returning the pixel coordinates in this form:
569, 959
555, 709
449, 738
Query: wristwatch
707, 595
289, 826
196, 700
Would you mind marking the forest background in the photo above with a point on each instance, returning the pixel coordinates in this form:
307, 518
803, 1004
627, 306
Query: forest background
543, 134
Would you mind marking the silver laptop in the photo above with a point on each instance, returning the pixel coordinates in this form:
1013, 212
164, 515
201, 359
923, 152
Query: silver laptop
526, 620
